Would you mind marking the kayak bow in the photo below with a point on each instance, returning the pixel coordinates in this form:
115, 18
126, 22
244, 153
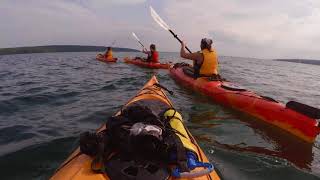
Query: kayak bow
78, 166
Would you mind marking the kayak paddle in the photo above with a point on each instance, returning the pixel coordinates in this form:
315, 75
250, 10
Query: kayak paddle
164, 25
136, 37
113, 43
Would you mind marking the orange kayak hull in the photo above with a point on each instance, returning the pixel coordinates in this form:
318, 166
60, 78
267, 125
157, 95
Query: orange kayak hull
100, 57
78, 166
141, 63
248, 102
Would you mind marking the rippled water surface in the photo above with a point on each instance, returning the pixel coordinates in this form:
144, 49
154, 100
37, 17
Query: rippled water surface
47, 100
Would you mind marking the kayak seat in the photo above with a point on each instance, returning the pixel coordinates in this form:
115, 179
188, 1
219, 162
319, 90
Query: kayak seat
189, 71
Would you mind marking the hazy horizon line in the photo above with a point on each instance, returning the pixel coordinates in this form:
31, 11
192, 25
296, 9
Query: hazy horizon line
140, 50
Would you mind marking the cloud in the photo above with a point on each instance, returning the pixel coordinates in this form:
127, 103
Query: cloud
122, 1
260, 28
62, 22
265, 29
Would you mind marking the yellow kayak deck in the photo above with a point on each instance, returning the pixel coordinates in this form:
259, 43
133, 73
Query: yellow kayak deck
78, 166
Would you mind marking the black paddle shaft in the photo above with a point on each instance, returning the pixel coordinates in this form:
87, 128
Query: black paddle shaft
141, 44
176, 36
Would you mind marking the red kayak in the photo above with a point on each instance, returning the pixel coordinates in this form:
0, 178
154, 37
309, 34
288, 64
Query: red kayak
100, 57
296, 118
144, 64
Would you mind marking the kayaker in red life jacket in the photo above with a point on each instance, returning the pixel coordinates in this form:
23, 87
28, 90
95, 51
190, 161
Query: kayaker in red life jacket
205, 62
153, 55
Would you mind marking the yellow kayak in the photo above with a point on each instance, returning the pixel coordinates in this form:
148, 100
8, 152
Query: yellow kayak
78, 166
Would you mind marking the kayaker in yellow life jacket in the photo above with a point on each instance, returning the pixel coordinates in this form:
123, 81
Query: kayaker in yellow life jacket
153, 55
205, 62
108, 55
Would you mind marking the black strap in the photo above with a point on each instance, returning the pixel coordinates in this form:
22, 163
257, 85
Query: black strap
180, 149
269, 99
168, 119
97, 164
196, 68
163, 87
105, 152
181, 154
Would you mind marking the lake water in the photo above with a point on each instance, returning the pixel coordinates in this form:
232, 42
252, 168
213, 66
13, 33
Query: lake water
47, 100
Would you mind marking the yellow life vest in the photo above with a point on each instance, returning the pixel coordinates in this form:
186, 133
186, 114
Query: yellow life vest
210, 63
109, 55
176, 123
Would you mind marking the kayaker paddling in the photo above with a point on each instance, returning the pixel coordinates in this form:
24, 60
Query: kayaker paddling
153, 55
294, 117
108, 55
205, 62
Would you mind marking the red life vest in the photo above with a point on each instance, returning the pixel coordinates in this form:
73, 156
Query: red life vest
155, 57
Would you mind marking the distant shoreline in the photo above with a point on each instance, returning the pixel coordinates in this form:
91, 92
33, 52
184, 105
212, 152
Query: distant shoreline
60, 48
302, 61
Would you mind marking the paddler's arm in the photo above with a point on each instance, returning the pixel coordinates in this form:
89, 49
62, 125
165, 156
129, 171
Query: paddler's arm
145, 51
192, 56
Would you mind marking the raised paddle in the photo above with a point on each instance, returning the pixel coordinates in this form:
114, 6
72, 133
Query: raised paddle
136, 37
164, 25
113, 43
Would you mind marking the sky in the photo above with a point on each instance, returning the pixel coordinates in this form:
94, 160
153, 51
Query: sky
247, 28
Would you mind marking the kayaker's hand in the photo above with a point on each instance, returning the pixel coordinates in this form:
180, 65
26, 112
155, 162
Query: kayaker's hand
182, 51
183, 44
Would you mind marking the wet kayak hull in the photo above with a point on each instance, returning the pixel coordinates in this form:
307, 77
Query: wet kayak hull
248, 102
